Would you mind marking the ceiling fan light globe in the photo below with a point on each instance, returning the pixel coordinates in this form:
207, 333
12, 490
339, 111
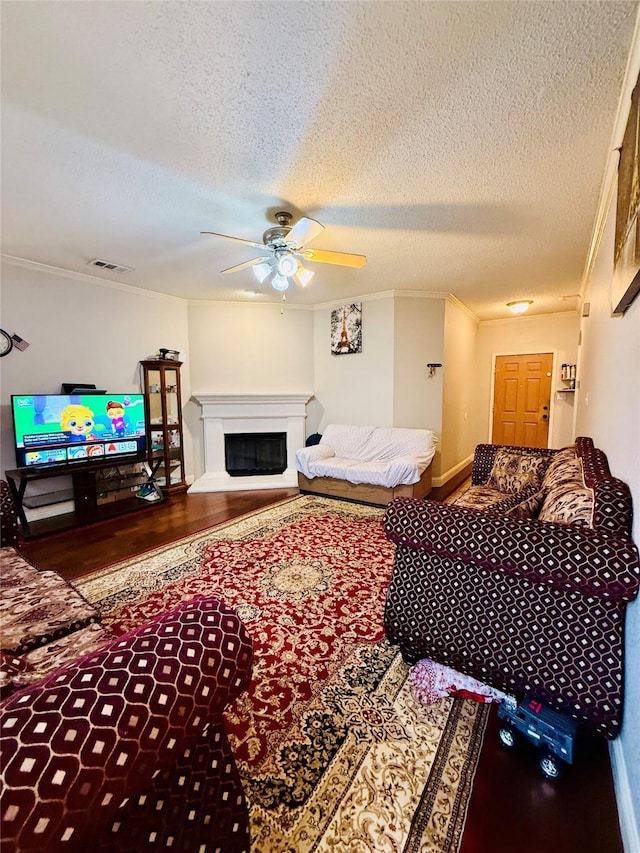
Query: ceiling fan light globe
303, 276
287, 265
279, 282
261, 271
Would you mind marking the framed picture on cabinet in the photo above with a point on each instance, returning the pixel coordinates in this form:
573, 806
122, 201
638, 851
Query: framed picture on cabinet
346, 329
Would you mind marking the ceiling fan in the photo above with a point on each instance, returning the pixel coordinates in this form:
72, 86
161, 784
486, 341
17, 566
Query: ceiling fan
285, 245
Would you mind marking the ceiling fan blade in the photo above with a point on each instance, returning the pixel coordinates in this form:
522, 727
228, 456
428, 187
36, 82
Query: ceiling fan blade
343, 259
304, 231
237, 239
244, 265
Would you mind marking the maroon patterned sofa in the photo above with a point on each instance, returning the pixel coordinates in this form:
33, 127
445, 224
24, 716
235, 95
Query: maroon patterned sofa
523, 581
115, 744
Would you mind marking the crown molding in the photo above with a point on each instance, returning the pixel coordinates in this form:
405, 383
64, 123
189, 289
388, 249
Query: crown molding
453, 300
556, 315
289, 306
257, 303
87, 279
385, 294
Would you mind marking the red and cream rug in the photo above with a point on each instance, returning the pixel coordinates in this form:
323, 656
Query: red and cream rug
335, 753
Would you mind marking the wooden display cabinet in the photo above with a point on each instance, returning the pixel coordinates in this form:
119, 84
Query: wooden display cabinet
161, 385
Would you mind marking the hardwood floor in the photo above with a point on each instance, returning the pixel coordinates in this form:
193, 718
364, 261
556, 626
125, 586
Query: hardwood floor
76, 552
512, 810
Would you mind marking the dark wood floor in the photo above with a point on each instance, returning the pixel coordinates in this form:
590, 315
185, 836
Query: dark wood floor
513, 809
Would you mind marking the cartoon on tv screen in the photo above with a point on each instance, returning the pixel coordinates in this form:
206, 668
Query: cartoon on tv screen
58, 428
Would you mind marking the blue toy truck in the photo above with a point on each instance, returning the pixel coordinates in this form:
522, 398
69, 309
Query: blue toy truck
552, 732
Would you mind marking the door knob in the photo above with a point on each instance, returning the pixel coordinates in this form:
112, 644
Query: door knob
545, 417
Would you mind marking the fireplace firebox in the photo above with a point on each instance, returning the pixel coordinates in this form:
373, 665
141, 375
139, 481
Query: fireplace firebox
248, 454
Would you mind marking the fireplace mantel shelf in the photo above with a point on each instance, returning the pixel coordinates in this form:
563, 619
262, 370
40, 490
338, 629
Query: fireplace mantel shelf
252, 399
223, 414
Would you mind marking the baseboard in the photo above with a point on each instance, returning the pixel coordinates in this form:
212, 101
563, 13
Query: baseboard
624, 800
443, 479
447, 483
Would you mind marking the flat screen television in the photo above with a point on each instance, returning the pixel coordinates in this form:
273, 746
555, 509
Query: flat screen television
61, 429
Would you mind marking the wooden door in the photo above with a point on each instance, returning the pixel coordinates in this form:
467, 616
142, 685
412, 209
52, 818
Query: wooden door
522, 397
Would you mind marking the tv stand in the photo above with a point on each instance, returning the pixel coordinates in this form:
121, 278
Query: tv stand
98, 489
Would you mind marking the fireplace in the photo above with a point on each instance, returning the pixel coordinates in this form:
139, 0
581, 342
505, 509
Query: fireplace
249, 453
241, 419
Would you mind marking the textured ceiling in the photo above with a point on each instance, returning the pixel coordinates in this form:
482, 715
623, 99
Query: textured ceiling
460, 146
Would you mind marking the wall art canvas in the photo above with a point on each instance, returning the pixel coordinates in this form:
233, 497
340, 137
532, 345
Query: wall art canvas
626, 264
346, 329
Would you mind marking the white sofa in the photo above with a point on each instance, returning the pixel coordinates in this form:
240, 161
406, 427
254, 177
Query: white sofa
368, 464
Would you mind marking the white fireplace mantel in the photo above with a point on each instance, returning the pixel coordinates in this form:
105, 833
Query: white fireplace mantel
223, 414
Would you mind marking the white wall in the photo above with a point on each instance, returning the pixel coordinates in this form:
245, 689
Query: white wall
556, 333
463, 422
355, 388
608, 409
246, 348
81, 329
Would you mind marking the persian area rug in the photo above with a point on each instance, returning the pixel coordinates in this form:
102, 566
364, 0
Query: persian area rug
334, 751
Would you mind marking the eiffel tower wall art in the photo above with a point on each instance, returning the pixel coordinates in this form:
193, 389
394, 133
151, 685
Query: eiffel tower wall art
346, 329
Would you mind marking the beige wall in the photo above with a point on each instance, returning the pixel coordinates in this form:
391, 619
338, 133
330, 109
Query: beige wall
555, 333
462, 420
248, 347
418, 339
243, 348
608, 409
81, 329
356, 388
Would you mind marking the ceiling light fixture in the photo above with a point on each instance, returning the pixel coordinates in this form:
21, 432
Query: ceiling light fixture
287, 265
280, 282
261, 271
519, 306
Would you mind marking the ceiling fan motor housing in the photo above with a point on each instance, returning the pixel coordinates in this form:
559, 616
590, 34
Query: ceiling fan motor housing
277, 235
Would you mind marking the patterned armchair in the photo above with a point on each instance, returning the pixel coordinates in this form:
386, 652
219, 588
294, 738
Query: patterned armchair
528, 591
124, 749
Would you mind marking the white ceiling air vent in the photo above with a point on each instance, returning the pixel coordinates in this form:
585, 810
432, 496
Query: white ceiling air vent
108, 265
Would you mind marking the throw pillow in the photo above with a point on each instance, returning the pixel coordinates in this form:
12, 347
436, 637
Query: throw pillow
562, 464
568, 499
512, 472
568, 506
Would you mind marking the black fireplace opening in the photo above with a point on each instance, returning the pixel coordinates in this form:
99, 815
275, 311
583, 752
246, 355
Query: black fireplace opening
248, 454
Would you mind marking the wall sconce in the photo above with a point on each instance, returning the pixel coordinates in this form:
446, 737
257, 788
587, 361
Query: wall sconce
432, 369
